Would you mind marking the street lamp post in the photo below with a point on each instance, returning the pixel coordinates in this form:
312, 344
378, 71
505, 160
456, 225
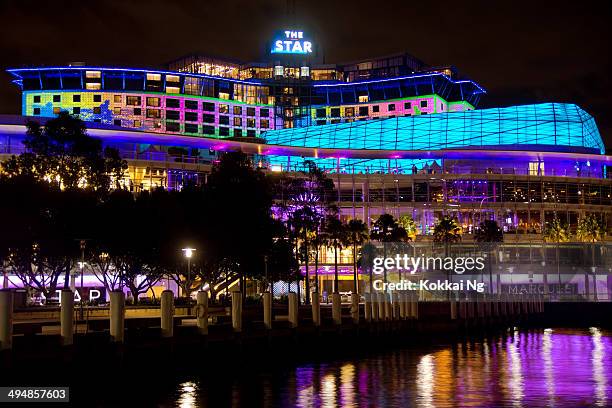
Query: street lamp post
188, 252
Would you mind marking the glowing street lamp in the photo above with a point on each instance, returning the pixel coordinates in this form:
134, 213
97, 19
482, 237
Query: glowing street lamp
188, 252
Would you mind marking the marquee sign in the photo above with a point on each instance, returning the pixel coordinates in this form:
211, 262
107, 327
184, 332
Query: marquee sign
291, 42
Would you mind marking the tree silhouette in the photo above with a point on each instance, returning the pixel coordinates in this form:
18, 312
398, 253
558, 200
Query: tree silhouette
489, 235
357, 235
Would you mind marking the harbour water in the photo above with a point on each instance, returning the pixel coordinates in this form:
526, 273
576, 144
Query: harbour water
550, 367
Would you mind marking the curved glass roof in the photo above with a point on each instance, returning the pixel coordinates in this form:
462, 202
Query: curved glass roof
541, 127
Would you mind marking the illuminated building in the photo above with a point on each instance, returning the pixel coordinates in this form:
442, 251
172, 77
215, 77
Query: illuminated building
396, 135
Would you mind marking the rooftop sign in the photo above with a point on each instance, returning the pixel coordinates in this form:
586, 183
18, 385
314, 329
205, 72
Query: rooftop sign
291, 42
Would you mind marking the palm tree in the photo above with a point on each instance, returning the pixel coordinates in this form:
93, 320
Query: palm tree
556, 232
447, 231
357, 235
489, 235
336, 237
385, 230
590, 230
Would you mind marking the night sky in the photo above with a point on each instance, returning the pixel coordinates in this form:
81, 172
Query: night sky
521, 52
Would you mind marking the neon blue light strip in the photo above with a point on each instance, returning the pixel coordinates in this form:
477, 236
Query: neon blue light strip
374, 81
14, 71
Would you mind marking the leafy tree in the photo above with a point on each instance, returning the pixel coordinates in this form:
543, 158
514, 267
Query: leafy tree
61, 153
409, 225
556, 232
357, 235
241, 230
46, 224
589, 229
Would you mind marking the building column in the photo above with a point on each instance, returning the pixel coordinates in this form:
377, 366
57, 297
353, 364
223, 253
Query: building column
66, 316
117, 316
6, 319
202, 312
167, 313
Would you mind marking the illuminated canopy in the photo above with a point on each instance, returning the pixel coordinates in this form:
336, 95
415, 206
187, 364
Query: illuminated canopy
542, 127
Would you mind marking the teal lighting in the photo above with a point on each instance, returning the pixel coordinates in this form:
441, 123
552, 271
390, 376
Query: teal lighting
545, 127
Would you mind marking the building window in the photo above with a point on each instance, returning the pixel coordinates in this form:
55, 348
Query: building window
133, 101
191, 128
191, 105
173, 127
57, 98
173, 103
208, 130
117, 98
237, 121
191, 116
423, 104
363, 98
154, 113
223, 108
264, 123
173, 89
224, 95
363, 111
172, 78
153, 77
223, 131
335, 112
36, 98
321, 113
237, 110
137, 111
349, 112
375, 109
76, 98
250, 111
97, 110
137, 123
76, 110
391, 107
279, 70
264, 112
173, 115
304, 72
251, 133
224, 120
93, 86
92, 74
56, 110
97, 98
208, 118
117, 122
250, 122
153, 102
237, 132
117, 110
36, 111
208, 106
407, 105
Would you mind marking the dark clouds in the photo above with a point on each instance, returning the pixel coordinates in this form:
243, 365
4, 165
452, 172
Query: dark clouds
520, 51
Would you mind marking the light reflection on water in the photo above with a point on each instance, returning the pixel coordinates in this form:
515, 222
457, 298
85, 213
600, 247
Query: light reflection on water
538, 368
